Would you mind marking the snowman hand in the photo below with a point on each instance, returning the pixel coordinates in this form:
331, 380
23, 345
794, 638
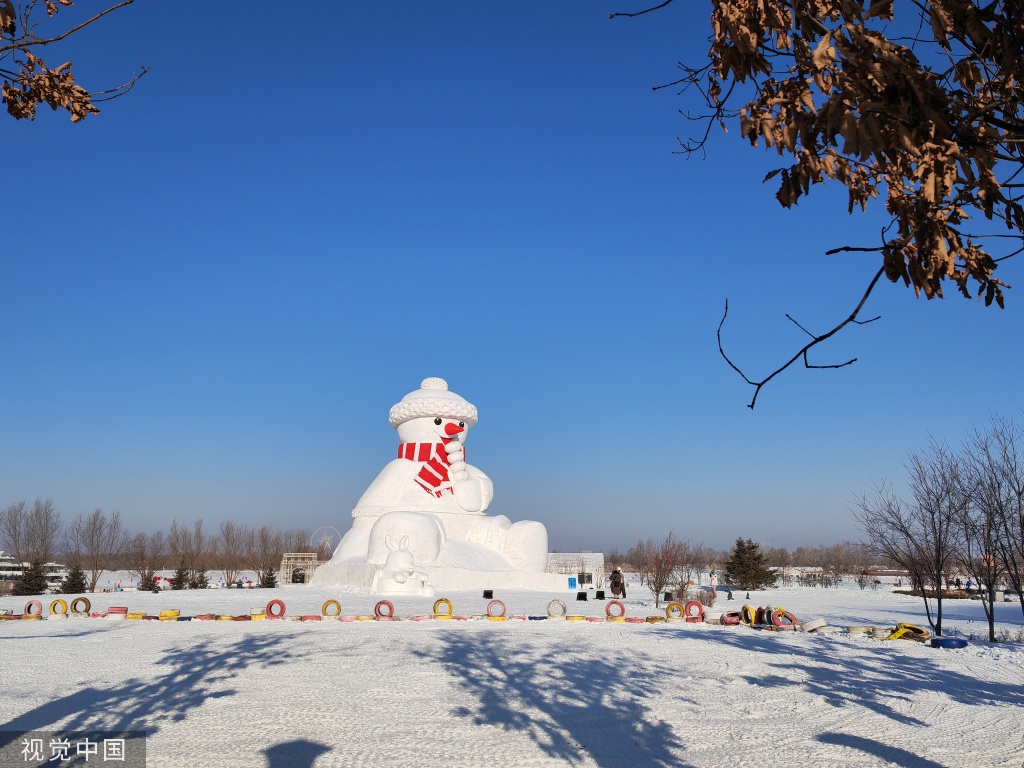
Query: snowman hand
456, 461
400, 577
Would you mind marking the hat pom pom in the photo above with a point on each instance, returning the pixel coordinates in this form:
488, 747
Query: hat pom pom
434, 383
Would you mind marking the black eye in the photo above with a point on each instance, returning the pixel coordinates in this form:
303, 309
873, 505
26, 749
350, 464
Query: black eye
462, 424
437, 421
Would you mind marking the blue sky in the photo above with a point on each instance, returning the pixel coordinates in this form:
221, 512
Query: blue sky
212, 293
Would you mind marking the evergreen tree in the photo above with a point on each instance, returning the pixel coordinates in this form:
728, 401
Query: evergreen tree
74, 582
181, 577
268, 579
32, 580
199, 582
746, 568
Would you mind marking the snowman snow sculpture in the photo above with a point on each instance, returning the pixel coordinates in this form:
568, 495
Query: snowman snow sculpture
435, 503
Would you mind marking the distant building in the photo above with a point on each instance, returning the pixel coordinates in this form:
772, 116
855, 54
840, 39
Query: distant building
298, 567
10, 572
587, 567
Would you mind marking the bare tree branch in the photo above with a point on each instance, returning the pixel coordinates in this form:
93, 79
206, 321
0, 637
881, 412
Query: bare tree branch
815, 340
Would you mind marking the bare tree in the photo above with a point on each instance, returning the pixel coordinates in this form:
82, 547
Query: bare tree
231, 546
32, 82
95, 541
994, 521
658, 564
31, 534
145, 555
13, 530
265, 554
922, 535
297, 540
191, 548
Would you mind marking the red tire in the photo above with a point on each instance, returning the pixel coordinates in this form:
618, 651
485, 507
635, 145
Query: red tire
379, 612
495, 604
618, 604
270, 609
783, 618
731, 618
33, 604
689, 611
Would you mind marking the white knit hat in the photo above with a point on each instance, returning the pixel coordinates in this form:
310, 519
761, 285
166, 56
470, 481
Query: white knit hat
433, 399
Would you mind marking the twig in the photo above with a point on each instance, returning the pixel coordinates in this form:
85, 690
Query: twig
641, 13
815, 340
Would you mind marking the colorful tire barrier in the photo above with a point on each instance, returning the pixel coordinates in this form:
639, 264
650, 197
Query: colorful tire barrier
384, 610
618, 606
134, 616
732, 619
694, 611
271, 614
33, 608
171, 614
58, 607
496, 605
81, 605
556, 604
674, 611
117, 613
748, 615
330, 604
312, 617
655, 619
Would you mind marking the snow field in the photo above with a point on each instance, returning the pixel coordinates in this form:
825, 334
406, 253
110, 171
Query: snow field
537, 693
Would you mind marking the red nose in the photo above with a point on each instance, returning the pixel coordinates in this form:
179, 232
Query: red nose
452, 429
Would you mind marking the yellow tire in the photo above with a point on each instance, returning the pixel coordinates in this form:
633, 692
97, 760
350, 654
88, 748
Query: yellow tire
575, 618
328, 604
31, 617
655, 619
444, 601
497, 618
442, 617
615, 619
747, 615
58, 603
674, 611
259, 617
365, 618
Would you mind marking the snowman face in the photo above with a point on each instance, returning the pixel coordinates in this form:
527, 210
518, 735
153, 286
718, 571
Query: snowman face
431, 429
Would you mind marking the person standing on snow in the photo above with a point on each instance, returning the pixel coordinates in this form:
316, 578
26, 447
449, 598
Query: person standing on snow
618, 583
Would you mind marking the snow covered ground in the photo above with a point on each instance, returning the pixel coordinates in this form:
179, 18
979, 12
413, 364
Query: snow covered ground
285, 694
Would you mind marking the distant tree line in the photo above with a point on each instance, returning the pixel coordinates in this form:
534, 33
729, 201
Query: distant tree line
98, 542
963, 517
670, 564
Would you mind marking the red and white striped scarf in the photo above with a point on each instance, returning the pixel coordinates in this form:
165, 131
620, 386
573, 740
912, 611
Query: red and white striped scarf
434, 472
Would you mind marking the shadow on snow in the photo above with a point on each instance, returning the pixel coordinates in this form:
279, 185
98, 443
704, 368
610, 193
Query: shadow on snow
191, 675
572, 707
879, 678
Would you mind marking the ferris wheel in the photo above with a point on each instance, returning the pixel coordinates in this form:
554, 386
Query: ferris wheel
325, 538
